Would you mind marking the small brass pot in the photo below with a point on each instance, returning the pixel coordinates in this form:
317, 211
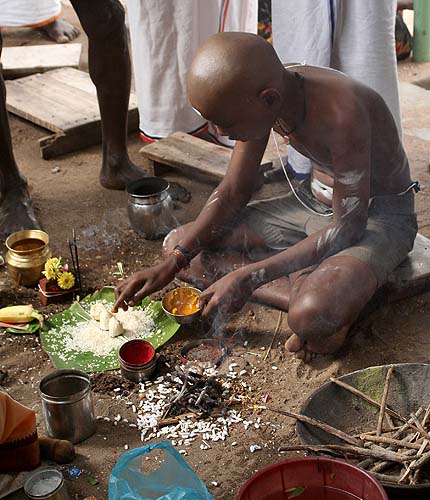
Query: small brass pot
27, 253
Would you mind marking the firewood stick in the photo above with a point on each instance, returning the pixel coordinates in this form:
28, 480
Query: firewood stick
355, 451
420, 428
384, 465
421, 461
371, 401
277, 329
426, 416
366, 463
384, 477
373, 433
174, 420
384, 400
321, 425
391, 441
405, 426
409, 469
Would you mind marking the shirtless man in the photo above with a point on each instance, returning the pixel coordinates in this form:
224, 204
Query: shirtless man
110, 70
334, 263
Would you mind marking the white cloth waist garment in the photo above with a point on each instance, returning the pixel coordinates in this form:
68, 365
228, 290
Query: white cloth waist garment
352, 36
318, 187
165, 35
19, 13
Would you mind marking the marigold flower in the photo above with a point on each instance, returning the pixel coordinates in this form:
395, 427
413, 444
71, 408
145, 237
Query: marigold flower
66, 281
52, 268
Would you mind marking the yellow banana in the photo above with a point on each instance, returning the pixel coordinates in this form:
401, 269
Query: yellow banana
18, 314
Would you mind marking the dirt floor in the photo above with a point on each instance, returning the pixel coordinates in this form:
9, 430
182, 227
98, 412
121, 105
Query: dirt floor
67, 195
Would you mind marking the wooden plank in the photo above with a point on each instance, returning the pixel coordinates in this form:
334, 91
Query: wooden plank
190, 155
413, 275
27, 60
61, 100
409, 279
52, 104
194, 156
74, 77
86, 135
82, 80
65, 102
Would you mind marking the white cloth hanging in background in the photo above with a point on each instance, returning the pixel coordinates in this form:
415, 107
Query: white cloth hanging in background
352, 36
32, 13
165, 35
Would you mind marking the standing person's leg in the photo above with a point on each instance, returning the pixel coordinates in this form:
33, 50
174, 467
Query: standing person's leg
109, 63
110, 70
16, 211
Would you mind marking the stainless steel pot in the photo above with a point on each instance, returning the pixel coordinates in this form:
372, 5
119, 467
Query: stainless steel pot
67, 405
46, 483
150, 207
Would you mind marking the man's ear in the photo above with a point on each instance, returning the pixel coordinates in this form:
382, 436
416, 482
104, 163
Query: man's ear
271, 98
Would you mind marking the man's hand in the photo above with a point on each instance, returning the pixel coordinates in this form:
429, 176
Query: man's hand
141, 284
227, 295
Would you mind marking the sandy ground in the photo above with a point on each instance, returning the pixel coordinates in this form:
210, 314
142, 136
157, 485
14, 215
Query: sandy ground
67, 195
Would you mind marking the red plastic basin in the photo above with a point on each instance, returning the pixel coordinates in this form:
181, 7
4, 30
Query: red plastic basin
312, 478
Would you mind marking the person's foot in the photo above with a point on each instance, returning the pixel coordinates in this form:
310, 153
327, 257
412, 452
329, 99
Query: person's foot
16, 212
308, 351
119, 177
60, 31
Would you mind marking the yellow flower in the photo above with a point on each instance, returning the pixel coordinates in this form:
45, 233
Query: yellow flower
66, 280
52, 268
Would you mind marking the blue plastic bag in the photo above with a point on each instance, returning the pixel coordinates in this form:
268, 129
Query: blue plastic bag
173, 480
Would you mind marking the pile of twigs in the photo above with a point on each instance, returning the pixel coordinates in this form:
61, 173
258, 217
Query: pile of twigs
395, 454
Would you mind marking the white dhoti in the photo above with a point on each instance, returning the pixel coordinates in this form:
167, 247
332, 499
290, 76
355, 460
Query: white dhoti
32, 13
352, 36
165, 35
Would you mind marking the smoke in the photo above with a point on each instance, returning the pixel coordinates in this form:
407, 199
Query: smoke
110, 231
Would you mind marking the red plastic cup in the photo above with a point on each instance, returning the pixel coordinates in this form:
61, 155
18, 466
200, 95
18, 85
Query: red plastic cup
312, 478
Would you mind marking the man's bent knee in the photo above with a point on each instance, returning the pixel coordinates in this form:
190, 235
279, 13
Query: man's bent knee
309, 316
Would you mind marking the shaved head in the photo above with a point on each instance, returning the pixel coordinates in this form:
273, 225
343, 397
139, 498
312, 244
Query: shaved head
229, 71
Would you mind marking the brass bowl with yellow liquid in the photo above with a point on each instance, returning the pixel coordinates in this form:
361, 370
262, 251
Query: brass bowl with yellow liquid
182, 304
28, 250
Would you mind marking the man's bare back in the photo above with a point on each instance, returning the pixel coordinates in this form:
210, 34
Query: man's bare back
330, 93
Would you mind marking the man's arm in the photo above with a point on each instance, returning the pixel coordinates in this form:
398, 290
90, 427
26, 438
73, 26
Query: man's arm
351, 168
231, 195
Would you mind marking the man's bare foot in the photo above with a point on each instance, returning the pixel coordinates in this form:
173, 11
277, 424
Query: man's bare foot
16, 212
120, 176
60, 31
308, 351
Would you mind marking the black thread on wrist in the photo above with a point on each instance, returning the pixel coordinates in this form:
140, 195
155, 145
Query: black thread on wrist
186, 253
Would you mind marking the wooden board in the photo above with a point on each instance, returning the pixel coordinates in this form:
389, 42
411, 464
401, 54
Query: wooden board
27, 60
190, 155
409, 279
65, 102
413, 275
193, 156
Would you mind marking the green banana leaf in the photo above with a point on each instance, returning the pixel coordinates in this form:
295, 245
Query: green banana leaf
33, 327
54, 343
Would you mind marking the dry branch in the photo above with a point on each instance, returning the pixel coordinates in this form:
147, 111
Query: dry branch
354, 451
384, 400
390, 441
371, 401
321, 425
